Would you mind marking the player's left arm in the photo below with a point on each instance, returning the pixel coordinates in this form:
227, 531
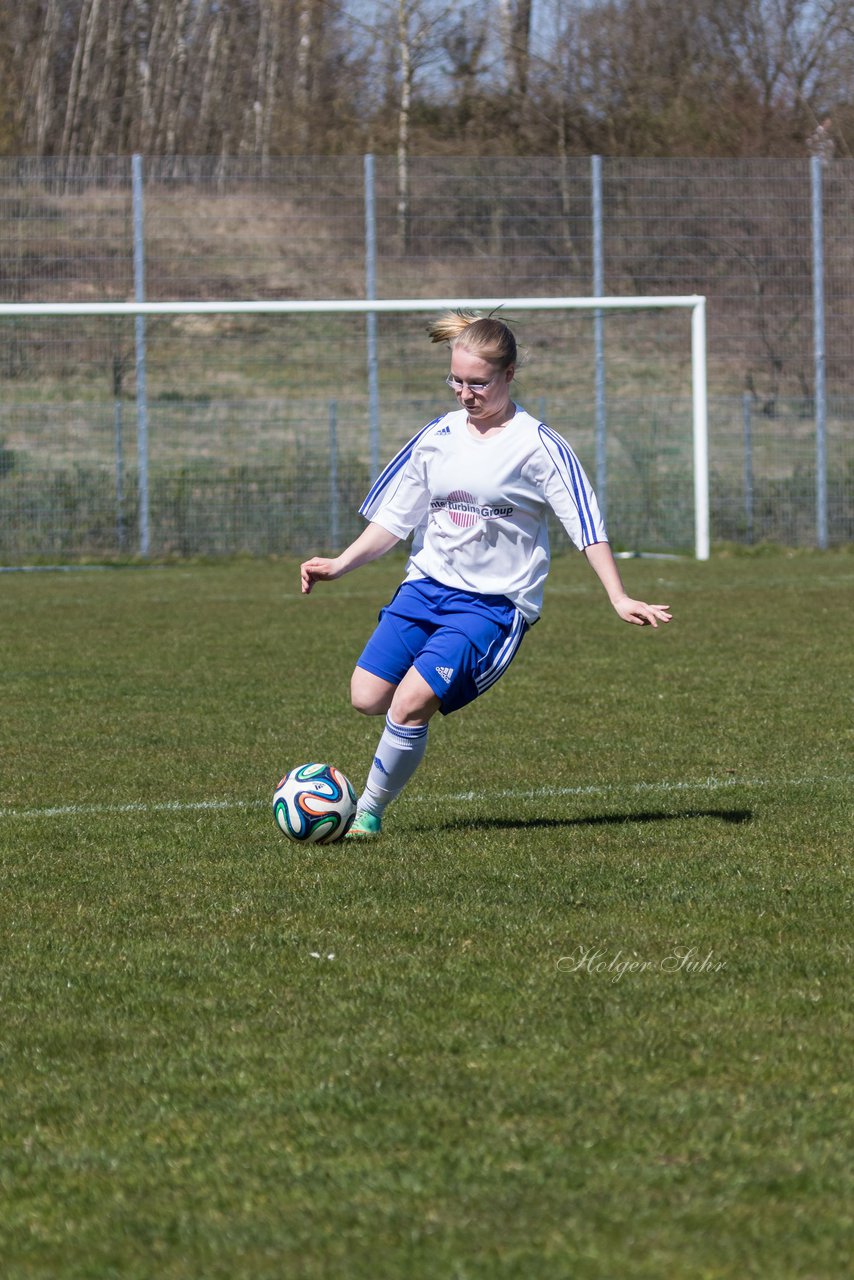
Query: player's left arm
602, 562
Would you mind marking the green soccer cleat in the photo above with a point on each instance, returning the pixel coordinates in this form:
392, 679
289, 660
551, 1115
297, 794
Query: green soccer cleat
366, 826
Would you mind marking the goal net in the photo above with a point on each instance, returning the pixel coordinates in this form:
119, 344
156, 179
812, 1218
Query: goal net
206, 428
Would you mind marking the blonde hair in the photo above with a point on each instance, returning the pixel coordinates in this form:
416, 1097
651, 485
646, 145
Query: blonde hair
484, 336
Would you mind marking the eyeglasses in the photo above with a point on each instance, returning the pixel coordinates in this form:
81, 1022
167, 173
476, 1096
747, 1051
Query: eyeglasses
457, 384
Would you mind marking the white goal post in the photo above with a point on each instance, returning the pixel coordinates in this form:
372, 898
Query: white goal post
695, 303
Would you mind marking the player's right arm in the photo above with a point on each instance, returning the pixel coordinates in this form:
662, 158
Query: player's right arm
374, 541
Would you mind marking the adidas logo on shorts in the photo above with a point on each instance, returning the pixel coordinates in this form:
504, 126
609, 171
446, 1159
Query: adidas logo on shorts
447, 673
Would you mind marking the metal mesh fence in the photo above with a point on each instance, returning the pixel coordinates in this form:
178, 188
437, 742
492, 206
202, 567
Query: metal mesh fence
258, 427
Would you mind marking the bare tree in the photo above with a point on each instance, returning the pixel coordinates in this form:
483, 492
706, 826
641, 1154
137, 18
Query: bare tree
265, 76
419, 27
109, 80
261, 77
172, 61
210, 41
143, 74
464, 49
40, 85
79, 93
411, 38
515, 25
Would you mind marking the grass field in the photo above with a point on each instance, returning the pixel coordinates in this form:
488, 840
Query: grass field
584, 1012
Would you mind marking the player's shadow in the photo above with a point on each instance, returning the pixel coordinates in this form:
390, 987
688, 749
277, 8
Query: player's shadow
733, 817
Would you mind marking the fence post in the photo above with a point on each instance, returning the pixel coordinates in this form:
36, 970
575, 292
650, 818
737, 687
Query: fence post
371, 317
119, 452
819, 354
333, 474
599, 338
747, 434
139, 345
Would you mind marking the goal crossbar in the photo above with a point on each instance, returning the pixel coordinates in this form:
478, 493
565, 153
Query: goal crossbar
343, 305
696, 303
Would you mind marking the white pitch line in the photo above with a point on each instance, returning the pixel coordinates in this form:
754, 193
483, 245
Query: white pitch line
168, 806
702, 784
509, 793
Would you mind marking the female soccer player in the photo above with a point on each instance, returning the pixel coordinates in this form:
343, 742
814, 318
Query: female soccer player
473, 487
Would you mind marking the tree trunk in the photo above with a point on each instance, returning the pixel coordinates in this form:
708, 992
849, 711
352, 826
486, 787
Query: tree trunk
42, 84
107, 87
79, 88
302, 88
145, 127
404, 109
515, 23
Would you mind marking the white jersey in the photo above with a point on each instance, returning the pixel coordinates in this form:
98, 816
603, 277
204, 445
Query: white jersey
478, 508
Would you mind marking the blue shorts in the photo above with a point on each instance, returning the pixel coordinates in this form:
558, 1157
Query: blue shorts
458, 641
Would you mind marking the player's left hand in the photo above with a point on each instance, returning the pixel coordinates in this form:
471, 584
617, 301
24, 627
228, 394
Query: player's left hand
318, 569
640, 613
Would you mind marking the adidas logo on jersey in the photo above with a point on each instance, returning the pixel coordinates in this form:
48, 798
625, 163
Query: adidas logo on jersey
444, 431
447, 673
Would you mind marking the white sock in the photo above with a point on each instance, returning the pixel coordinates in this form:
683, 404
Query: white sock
399, 752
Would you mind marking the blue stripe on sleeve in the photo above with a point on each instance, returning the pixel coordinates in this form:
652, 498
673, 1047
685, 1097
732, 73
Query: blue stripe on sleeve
380, 486
574, 480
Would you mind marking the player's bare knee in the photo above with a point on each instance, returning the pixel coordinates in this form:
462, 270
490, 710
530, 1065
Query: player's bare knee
408, 709
368, 695
362, 703
365, 706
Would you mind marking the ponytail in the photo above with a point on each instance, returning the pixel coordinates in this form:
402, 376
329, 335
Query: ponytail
483, 336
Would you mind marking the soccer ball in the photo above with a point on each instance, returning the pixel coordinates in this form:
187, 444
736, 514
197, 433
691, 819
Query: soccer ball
315, 804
